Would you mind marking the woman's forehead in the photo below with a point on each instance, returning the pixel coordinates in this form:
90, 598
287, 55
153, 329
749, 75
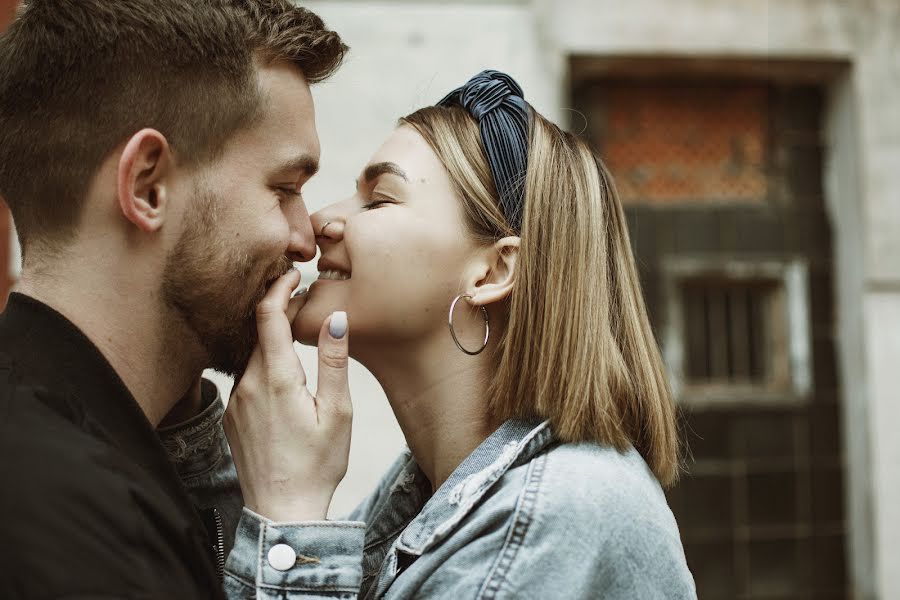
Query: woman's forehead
409, 151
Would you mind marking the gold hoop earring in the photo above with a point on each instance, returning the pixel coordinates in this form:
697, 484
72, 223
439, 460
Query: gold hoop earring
487, 327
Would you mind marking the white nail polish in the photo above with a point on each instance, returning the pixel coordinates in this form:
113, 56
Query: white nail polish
300, 292
338, 326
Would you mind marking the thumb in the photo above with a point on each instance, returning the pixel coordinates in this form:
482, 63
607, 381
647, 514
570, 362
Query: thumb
333, 394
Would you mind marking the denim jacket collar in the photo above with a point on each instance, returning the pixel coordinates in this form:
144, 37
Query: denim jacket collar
513, 443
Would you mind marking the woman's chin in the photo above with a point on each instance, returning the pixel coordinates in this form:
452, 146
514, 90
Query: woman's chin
307, 327
309, 320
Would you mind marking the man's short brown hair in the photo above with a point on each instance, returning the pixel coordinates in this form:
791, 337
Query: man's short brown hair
78, 77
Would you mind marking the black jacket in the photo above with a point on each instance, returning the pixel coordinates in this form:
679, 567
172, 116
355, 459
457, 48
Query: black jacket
90, 506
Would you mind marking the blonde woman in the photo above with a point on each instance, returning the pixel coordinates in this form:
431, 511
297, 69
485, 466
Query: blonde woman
484, 264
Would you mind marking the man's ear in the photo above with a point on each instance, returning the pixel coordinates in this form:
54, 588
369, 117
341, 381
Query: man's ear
496, 274
141, 179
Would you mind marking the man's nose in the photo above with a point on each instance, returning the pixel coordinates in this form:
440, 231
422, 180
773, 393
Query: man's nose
302, 241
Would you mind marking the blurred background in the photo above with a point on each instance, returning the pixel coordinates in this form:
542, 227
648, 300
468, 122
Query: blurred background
756, 146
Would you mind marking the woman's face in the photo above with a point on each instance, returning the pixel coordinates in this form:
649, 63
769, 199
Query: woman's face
395, 253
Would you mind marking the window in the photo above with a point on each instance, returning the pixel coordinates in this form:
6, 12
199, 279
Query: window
737, 331
726, 326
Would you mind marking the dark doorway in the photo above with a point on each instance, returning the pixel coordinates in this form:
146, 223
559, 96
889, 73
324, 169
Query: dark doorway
722, 184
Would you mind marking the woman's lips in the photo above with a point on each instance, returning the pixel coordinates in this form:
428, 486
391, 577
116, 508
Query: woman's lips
334, 275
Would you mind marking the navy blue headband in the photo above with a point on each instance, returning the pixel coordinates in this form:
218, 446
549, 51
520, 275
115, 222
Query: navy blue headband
498, 104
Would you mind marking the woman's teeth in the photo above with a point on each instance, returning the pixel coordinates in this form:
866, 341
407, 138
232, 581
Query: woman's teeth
338, 275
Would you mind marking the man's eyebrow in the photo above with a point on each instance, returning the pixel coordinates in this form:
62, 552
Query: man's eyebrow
373, 171
307, 165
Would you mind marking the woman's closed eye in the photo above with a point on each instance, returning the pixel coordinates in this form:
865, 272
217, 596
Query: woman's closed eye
378, 201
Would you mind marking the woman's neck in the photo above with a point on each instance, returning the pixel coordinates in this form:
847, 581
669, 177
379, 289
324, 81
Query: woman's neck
439, 398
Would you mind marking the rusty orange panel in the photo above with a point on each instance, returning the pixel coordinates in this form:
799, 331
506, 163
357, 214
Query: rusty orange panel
679, 143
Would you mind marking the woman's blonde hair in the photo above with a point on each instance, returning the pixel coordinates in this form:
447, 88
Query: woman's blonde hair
578, 348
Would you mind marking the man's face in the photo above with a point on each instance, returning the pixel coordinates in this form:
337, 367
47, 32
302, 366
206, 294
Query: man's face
246, 222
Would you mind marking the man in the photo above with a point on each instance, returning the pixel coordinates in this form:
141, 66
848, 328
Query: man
152, 154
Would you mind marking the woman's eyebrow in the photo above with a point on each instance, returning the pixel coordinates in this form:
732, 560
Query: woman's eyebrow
374, 170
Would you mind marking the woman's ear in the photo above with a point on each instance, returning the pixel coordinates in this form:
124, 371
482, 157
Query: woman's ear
141, 179
496, 273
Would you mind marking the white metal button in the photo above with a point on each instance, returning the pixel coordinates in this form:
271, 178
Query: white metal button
282, 557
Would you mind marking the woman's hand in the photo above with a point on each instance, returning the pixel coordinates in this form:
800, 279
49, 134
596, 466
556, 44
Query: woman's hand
290, 448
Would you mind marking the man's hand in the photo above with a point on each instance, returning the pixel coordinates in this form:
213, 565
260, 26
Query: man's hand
290, 448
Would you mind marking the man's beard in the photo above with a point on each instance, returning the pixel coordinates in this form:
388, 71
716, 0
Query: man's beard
215, 289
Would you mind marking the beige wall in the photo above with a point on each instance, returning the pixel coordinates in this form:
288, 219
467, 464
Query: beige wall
863, 184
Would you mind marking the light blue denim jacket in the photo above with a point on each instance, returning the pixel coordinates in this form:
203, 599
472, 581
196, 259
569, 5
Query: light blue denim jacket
524, 516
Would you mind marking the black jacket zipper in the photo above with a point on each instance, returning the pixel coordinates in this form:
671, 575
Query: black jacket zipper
216, 531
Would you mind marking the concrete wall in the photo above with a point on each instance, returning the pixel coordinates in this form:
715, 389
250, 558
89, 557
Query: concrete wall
863, 176
878, 95
798, 28
843, 189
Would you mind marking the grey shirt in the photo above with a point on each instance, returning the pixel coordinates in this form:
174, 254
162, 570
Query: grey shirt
523, 516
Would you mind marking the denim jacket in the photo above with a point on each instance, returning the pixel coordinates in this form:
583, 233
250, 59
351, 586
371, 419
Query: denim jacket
523, 516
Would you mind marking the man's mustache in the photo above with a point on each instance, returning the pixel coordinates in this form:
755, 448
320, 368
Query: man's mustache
280, 268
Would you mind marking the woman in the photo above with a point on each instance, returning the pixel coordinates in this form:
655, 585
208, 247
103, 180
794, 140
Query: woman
485, 267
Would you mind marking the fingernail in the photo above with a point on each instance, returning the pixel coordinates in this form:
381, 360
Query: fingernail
338, 326
300, 292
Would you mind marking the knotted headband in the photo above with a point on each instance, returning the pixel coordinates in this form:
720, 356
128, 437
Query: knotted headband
498, 104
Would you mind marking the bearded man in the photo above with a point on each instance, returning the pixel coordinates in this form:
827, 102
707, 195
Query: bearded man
152, 153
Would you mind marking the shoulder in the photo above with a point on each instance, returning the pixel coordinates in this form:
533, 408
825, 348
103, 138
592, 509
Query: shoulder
595, 493
81, 515
42, 446
54, 470
589, 478
68, 499
601, 516
586, 482
611, 494
592, 477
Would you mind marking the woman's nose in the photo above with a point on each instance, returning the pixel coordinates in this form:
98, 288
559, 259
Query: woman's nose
331, 230
328, 224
